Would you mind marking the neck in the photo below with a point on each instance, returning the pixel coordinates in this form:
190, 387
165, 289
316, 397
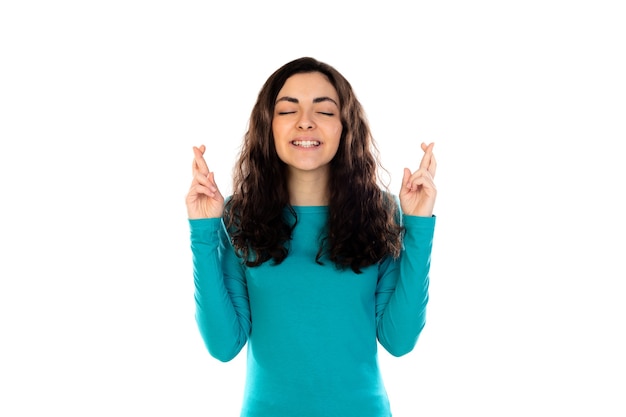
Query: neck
308, 188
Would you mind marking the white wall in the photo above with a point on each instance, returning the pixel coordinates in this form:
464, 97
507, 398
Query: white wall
101, 102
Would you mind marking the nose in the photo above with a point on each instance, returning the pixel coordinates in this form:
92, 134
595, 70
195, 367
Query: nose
305, 122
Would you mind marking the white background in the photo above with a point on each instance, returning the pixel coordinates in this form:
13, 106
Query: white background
101, 102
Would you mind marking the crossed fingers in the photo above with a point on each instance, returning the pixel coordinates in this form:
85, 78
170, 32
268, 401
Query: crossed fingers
199, 165
428, 162
424, 175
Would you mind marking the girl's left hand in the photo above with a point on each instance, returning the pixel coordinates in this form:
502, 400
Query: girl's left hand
418, 192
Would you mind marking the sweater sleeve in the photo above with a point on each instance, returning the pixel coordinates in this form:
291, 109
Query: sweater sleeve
221, 294
402, 290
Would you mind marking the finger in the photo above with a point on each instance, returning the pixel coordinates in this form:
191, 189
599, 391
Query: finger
428, 152
194, 165
424, 181
214, 185
431, 164
417, 174
202, 179
199, 164
418, 178
421, 180
425, 147
206, 181
199, 189
211, 179
432, 168
405, 177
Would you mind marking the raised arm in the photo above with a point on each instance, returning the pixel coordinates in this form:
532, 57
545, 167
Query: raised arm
221, 295
402, 291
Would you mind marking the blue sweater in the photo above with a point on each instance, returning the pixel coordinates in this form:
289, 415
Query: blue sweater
311, 329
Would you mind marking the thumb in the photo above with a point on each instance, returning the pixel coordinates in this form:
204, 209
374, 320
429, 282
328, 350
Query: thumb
405, 177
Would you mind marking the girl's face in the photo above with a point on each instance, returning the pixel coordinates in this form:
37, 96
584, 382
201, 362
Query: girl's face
306, 124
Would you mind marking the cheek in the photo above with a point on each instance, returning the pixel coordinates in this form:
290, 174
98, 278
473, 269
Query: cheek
275, 127
337, 133
280, 129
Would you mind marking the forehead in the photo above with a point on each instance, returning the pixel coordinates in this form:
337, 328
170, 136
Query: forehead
308, 85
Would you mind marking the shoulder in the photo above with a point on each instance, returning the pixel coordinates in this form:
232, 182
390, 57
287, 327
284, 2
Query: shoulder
390, 200
391, 203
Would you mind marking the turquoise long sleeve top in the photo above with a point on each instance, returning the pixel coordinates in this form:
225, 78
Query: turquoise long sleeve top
311, 330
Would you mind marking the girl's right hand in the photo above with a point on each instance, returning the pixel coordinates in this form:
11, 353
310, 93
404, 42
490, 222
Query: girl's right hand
204, 199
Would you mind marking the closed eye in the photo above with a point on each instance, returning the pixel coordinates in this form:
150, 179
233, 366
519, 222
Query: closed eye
326, 113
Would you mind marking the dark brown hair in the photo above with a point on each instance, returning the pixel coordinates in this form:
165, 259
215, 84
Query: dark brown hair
363, 225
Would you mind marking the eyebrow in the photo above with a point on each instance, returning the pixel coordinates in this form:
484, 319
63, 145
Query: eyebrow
315, 100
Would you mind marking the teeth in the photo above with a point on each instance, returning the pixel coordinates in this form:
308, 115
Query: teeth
306, 143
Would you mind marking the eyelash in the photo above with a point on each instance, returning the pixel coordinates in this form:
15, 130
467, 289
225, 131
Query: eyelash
282, 113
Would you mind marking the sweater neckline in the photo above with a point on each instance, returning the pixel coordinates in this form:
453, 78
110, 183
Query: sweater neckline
310, 209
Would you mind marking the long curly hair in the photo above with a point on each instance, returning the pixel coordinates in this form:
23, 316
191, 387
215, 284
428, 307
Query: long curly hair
363, 225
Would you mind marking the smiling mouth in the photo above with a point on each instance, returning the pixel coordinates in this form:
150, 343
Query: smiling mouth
305, 143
